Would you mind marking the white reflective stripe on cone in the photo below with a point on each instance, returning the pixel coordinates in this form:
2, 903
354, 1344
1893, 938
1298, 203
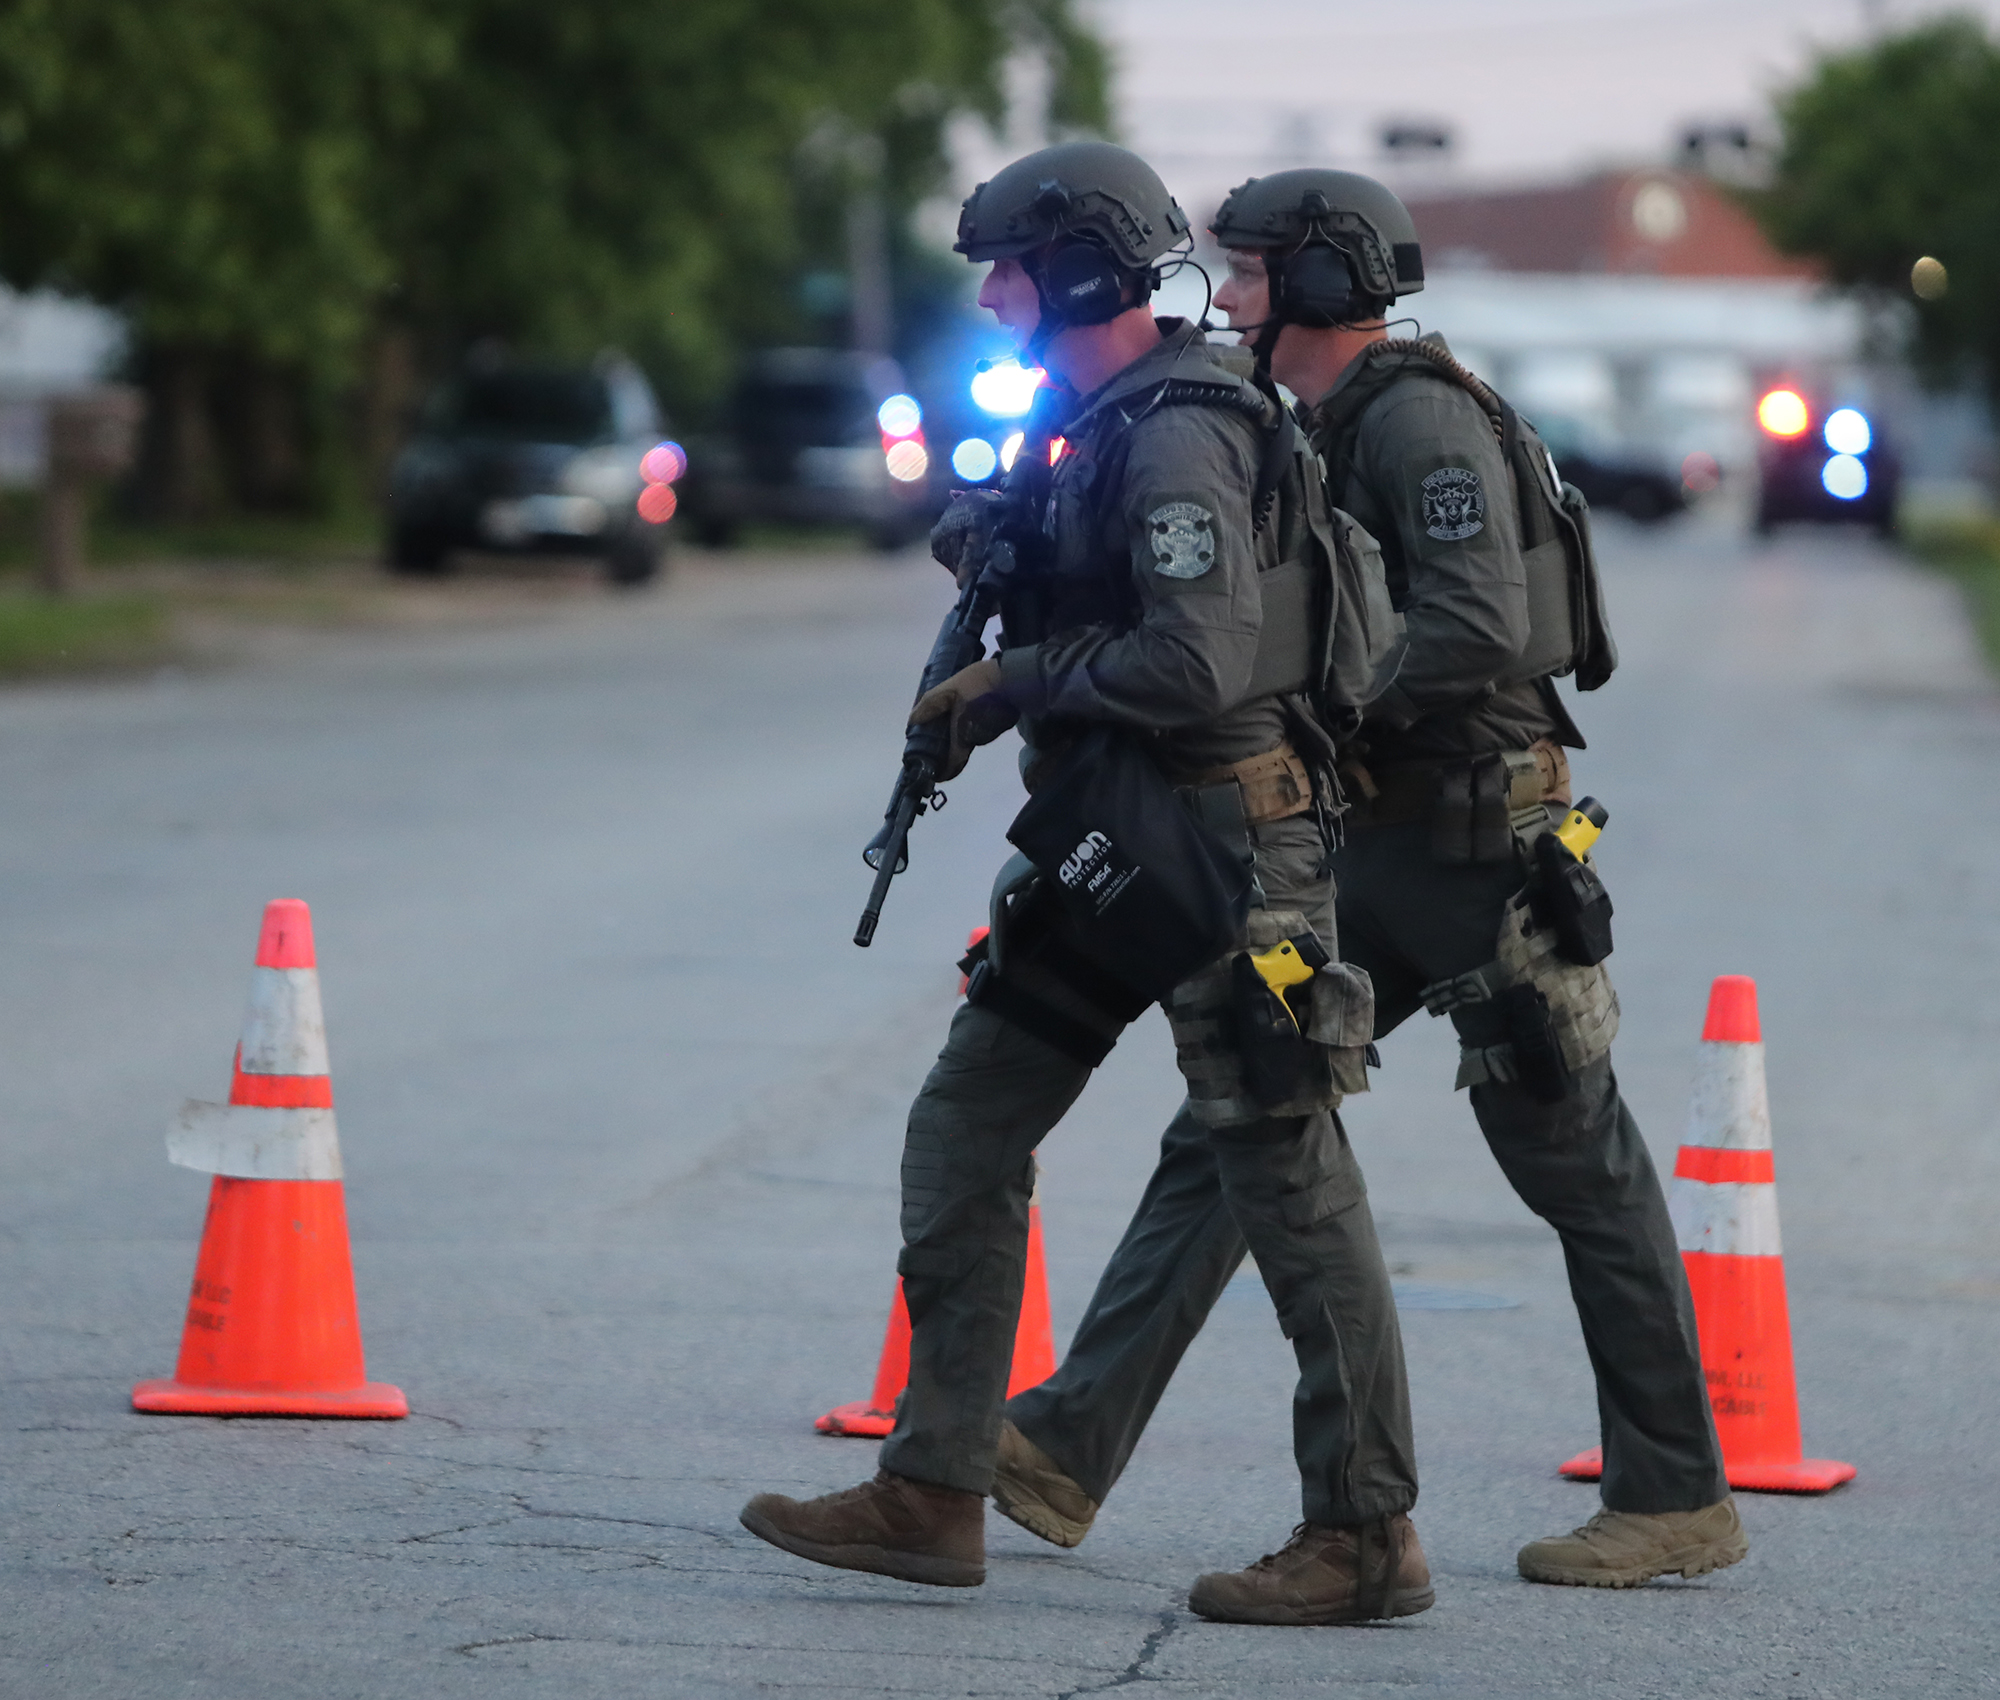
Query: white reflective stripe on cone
284, 1031
1725, 1218
255, 1144
1729, 1109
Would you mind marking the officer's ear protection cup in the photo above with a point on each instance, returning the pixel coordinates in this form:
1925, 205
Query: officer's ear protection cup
1082, 284
1314, 287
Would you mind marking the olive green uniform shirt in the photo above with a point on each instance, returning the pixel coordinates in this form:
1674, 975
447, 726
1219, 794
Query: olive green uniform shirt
1426, 477
1156, 607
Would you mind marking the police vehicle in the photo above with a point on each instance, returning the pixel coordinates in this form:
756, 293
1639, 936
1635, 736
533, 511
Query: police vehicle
1820, 462
816, 436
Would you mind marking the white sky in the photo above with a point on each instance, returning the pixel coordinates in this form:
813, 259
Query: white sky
1212, 93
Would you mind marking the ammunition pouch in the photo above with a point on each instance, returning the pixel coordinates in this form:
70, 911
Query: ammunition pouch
1248, 1053
1473, 818
1558, 1016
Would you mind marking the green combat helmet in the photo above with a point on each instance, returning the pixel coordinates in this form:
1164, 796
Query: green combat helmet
1337, 246
1103, 215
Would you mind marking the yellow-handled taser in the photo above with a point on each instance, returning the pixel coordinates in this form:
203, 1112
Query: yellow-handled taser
1282, 967
1582, 826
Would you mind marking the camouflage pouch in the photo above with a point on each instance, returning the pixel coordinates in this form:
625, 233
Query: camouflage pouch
1220, 1059
1343, 1023
1582, 1008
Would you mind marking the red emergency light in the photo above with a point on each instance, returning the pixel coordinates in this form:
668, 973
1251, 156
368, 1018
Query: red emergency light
1783, 413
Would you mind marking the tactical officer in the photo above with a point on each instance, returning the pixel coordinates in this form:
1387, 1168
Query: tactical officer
1457, 769
1145, 616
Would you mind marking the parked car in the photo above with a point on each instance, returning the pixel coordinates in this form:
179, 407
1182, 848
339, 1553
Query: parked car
1821, 462
1625, 477
815, 436
531, 459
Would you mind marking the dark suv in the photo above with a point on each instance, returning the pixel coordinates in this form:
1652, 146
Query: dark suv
532, 459
816, 436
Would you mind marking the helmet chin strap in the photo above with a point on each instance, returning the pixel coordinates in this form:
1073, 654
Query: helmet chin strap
1049, 325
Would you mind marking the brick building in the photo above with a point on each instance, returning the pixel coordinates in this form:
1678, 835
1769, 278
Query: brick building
1619, 223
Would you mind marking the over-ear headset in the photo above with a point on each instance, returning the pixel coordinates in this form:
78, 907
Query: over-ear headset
1312, 286
1082, 284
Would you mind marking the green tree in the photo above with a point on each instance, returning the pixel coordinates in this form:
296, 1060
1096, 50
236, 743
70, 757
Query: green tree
1890, 153
303, 205
206, 167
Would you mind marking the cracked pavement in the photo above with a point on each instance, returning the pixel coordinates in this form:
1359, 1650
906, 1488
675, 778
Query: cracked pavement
621, 1109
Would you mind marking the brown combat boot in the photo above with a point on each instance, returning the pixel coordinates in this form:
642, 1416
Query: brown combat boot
892, 1526
1621, 1549
1325, 1575
1030, 1487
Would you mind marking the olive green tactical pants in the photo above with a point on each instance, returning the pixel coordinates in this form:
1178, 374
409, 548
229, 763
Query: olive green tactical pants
1289, 1188
1581, 1165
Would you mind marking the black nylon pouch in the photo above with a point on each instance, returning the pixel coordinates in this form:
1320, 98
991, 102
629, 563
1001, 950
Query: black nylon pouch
1569, 897
1153, 893
1538, 1058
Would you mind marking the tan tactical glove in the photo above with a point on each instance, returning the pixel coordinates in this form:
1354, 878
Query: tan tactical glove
979, 714
958, 540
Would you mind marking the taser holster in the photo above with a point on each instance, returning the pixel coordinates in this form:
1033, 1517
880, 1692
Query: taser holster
1570, 898
1248, 1053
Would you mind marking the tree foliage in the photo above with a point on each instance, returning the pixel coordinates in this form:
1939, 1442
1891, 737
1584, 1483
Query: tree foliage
300, 199
1890, 153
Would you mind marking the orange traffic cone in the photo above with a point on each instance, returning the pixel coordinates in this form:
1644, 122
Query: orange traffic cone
1034, 1350
271, 1325
1724, 1203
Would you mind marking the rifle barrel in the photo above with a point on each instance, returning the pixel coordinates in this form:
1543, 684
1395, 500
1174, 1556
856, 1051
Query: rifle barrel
885, 871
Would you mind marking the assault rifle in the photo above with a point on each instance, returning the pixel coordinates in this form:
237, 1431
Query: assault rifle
961, 640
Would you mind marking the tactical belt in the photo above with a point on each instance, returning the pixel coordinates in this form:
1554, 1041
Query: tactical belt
1276, 785
1396, 793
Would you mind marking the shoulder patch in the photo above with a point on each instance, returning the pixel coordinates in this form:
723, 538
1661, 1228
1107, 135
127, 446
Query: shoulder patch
1454, 504
1183, 538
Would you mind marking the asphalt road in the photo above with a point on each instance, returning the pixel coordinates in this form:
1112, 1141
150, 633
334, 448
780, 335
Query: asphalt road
621, 1108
